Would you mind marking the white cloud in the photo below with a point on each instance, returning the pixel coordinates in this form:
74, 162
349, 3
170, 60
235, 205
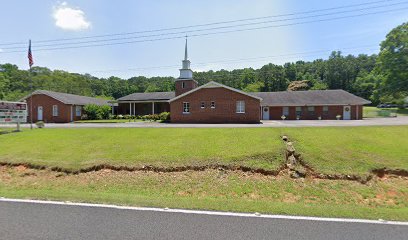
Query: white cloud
69, 18
1, 50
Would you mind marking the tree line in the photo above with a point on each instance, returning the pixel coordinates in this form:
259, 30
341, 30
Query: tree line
379, 77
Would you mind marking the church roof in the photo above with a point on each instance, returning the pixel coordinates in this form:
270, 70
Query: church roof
148, 97
71, 98
310, 98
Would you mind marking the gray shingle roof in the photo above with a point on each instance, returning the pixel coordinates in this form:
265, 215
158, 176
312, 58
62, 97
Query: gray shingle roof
71, 98
148, 96
311, 97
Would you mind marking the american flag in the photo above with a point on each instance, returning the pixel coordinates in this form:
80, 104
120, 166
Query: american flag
30, 55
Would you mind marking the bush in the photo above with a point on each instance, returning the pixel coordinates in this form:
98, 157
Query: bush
96, 112
164, 117
40, 124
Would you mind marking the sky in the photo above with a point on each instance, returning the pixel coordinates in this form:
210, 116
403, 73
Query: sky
285, 33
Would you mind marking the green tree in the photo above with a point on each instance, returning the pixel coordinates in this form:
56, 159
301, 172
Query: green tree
392, 61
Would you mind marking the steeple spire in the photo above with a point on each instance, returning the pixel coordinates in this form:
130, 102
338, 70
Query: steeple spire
185, 51
185, 71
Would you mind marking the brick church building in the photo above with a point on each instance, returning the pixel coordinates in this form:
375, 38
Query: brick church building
216, 103
210, 103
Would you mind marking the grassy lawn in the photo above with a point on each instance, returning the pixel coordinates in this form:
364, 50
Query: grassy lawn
79, 148
215, 190
374, 112
109, 121
352, 150
348, 150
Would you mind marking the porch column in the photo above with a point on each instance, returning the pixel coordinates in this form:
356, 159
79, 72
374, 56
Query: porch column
134, 108
113, 109
152, 107
130, 108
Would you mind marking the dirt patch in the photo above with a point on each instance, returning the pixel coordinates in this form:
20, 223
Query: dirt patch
382, 172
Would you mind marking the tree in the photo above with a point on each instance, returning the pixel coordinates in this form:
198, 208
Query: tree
392, 61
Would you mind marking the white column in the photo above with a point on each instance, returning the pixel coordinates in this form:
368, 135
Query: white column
152, 107
130, 108
134, 108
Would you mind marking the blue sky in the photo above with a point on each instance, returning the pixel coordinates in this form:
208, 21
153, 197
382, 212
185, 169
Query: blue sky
46, 19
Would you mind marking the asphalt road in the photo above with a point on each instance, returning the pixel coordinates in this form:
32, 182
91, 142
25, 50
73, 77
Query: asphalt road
50, 221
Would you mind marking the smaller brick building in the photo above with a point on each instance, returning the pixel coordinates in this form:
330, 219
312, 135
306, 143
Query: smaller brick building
311, 105
56, 107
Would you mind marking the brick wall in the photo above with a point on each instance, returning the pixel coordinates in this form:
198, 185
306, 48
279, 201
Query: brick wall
64, 111
275, 113
224, 111
188, 85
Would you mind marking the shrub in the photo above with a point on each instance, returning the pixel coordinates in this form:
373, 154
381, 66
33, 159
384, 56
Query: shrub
96, 112
164, 116
40, 124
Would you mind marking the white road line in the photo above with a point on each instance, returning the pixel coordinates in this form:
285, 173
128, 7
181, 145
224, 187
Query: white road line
232, 214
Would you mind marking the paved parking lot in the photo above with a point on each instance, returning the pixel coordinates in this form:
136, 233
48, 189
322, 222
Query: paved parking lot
402, 120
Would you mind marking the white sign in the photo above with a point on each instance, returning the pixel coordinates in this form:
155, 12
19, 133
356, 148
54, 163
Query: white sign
13, 112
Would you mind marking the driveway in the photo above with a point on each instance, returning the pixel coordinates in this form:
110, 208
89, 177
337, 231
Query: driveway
402, 120
55, 220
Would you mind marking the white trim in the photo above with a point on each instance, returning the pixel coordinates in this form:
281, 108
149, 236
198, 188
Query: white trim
55, 111
76, 110
152, 107
215, 213
188, 108
213, 84
212, 104
240, 106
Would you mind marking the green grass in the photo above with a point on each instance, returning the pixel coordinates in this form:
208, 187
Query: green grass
79, 148
109, 121
214, 190
347, 150
352, 150
374, 112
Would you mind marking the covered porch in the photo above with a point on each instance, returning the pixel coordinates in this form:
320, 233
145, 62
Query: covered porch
139, 108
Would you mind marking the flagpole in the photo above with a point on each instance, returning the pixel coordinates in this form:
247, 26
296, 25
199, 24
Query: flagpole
31, 99
31, 85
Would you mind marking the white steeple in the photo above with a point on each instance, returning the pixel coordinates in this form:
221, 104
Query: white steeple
185, 71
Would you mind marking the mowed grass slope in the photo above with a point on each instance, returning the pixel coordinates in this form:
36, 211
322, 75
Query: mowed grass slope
346, 150
215, 190
352, 150
79, 148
